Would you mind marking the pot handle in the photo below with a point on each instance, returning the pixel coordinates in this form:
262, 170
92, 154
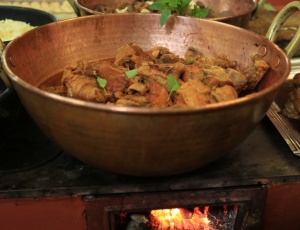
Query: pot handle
76, 10
280, 18
260, 4
3, 77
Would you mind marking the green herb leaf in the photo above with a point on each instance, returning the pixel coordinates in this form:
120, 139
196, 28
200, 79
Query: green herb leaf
173, 85
164, 16
158, 5
174, 3
183, 7
190, 62
131, 73
101, 82
180, 7
200, 13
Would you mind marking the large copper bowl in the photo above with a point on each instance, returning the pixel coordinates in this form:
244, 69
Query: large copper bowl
234, 12
140, 141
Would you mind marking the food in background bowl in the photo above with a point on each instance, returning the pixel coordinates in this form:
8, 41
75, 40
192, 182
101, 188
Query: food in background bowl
10, 29
233, 12
16, 20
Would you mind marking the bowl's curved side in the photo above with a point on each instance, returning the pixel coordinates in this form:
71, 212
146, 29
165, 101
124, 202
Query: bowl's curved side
144, 144
136, 141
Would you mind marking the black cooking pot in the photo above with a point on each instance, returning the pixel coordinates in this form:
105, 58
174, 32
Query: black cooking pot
9, 102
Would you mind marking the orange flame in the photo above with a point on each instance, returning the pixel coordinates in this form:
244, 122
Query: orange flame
173, 219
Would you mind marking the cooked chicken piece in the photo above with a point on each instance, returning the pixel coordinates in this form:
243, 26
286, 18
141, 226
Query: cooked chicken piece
224, 93
223, 62
153, 94
133, 100
160, 72
256, 71
158, 94
194, 56
192, 93
84, 87
162, 55
192, 72
115, 77
216, 76
138, 87
152, 71
131, 56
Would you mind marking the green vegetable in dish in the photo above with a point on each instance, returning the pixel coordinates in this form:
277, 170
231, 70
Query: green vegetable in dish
101, 82
131, 73
173, 84
180, 7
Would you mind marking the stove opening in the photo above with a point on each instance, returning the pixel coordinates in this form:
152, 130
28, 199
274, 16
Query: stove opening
186, 218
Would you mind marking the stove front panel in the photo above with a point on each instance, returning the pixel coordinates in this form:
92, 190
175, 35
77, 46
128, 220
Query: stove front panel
119, 212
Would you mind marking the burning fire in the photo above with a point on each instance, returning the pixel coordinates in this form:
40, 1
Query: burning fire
180, 218
204, 218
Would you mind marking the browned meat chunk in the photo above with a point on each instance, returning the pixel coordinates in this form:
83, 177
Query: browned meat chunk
145, 93
195, 93
115, 77
256, 71
224, 93
194, 56
84, 87
131, 56
158, 94
192, 93
160, 72
192, 72
162, 55
216, 76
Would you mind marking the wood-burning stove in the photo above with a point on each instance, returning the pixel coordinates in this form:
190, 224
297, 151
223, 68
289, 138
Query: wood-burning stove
224, 209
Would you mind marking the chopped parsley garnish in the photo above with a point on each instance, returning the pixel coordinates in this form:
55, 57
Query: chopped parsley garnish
131, 73
101, 82
173, 85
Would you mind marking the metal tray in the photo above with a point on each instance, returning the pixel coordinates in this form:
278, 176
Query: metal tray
289, 129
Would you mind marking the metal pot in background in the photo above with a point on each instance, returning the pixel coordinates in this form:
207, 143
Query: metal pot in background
234, 12
9, 102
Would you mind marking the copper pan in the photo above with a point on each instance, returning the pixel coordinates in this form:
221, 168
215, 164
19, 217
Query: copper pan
233, 12
140, 141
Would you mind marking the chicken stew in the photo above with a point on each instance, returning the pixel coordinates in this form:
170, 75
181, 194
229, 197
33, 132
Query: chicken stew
157, 78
